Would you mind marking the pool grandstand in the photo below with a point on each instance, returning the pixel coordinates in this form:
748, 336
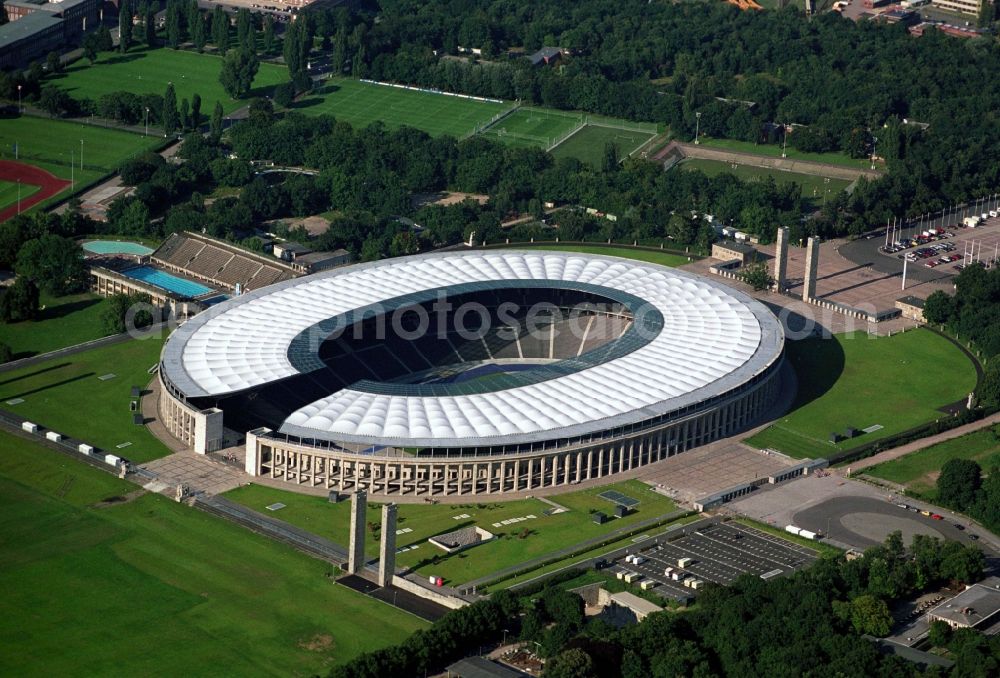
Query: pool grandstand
219, 263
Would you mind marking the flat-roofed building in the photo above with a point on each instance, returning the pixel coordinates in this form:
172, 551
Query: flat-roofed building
30, 37
961, 6
911, 308
977, 607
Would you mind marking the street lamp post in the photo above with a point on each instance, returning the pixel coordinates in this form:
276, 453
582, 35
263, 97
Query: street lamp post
874, 145
81, 155
147, 122
697, 126
72, 177
18, 196
784, 140
19, 108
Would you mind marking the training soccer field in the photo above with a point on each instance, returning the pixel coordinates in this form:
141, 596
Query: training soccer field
516, 542
587, 144
51, 144
775, 151
66, 395
361, 103
651, 256
918, 470
143, 586
813, 186
9, 192
539, 127
853, 380
143, 71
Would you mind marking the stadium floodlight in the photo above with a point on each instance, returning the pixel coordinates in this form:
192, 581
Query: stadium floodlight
697, 126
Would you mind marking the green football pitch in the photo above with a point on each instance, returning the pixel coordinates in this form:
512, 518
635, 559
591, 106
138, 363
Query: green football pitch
54, 144
99, 577
857, 381
587, 144
813, 186
361, 103
539, 127
143, 71
9, 191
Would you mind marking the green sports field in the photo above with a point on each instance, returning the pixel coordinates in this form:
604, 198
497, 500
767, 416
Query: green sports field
51, 144
651, 256
587, 145
853, 380
143, 586
516, 543
539, 127
361, 103
62, 321
143, 71
9, 192
66, 395
774, 151
813, 187
918, 470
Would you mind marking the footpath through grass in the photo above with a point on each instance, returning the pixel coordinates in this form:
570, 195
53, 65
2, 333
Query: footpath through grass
52, 144
516, 542
854, 380
774, 151
67, 395
918, 471
63, 321
649, 256
362, 103
149, 586
149, 71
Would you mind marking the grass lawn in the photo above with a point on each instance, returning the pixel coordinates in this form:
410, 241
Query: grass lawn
534, 127
143, 71
515, 543
650, 256
918, 471
50, 144
774, 151
135, 587
361, 103
64, 321
813, 186
65, 394
587, 145
853, 380
9, 192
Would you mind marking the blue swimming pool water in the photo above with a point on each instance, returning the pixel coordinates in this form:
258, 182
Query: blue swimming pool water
163, 280
115, 247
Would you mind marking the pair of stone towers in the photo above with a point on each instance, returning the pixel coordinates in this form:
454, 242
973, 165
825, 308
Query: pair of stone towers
781, 265
387, 546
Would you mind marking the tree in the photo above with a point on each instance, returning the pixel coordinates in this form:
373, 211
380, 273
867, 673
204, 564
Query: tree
174, 23
573, 663
870, 615
284, 94
126, 312
939, 633
6, 354
19, 301
90, 47
939, 307
215, 125
54, 263
55, 101
987, 12
195, 111
3, 20
105, 43
169, 112
185, 115
220, 29
958, 483
149, 27
245, 34
757, 276
267, 37
124, 25
989, 389
238, 71
404, 243
53, 64
199, 34
609, 162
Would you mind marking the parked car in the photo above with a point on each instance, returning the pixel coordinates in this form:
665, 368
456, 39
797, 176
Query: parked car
935, 516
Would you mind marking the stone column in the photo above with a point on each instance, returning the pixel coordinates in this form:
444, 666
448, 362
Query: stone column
781, 260
387, 551
812, 262
356, 551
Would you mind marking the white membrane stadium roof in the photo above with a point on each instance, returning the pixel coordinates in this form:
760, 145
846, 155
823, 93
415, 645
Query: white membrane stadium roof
714, 339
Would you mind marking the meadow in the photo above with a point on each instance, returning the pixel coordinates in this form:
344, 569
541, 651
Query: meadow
62, 321
856, 380
102, 578
65, 394
362, 103
774, 151
149, 71
10, 192
515, 543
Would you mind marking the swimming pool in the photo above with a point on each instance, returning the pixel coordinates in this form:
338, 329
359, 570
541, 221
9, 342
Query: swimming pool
115, 247
168, 282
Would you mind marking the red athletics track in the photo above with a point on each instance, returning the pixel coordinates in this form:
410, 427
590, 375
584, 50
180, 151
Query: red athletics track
12, 171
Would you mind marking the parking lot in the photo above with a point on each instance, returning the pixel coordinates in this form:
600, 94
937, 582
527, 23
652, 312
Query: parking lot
719, 553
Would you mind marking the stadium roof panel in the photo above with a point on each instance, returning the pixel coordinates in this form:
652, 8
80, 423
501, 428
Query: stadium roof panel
713, 339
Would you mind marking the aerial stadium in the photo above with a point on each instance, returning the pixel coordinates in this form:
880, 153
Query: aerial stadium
472, 372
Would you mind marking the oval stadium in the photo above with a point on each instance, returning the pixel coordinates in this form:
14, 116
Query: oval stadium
471, 372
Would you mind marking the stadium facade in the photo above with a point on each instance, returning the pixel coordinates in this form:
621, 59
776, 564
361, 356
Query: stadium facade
474, 372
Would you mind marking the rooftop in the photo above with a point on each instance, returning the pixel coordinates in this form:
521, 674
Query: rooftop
910, 300
26, 27
973, 606
640, 606
314, 257
479, 667
734, 246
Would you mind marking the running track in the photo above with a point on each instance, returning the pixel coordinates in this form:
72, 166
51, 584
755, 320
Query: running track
13, 171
